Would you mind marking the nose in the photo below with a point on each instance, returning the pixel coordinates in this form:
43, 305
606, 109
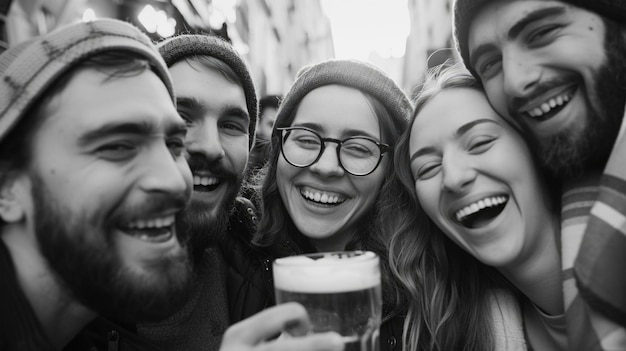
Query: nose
521, 73
164, 173
328, 163
457, 175
204, 139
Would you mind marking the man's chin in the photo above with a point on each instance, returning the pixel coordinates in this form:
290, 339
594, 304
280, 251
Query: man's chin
201, 226
152, 297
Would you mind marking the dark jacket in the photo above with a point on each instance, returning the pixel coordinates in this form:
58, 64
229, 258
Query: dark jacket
391, 331
103, 335
19, 326
249, 280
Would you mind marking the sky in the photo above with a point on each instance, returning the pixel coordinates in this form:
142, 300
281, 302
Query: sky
360, 27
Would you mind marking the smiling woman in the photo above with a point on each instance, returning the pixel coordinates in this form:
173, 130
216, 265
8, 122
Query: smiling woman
330, 182
482, 206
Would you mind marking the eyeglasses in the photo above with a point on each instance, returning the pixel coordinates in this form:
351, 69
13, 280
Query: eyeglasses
302, 147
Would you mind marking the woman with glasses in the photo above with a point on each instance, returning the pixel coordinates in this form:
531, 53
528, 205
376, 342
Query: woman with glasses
480, 256
329, 182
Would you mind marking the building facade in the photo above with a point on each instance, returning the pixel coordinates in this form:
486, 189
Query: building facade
430, 40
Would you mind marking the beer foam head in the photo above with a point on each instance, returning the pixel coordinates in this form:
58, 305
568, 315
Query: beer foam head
327, 272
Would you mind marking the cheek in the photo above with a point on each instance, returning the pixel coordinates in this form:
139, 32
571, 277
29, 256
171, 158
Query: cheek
369, 186
238, 154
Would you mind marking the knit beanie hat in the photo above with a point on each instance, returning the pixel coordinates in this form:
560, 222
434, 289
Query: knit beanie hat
350, 73
465, 10
29, 68
185, 45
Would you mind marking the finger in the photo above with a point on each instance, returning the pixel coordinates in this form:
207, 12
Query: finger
313, 342
268, 323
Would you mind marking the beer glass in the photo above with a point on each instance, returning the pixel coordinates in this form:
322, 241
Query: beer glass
340, 290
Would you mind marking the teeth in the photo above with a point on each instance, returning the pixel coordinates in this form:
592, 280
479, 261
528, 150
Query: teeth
206, 181
549, 105
152, 223
479, 205
321, 197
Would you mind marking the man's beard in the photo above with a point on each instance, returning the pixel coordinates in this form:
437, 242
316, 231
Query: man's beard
198, 228
569, 154
85, 261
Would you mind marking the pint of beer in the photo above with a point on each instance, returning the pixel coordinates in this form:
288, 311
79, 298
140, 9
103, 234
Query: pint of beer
340, 290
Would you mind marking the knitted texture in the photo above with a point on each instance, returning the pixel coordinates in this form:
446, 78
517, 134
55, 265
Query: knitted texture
28, 69
465, 10
351, 73
182, 46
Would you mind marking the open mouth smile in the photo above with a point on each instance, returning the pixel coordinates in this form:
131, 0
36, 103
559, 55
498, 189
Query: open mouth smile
550, 107
322, 197
205, 183
481, 212
153, 230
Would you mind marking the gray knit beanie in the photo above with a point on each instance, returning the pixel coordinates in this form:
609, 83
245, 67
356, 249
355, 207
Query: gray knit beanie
465, 10
185, 45
29, 68
351, 73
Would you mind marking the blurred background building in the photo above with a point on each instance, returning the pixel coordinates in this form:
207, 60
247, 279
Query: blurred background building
277, 37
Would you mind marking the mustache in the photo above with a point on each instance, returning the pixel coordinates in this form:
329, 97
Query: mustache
517, 103
217, 167
155, 204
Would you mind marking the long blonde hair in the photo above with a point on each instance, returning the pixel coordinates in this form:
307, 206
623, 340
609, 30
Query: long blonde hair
449, 290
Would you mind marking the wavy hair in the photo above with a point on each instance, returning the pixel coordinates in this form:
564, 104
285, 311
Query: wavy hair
448, 309
280, 236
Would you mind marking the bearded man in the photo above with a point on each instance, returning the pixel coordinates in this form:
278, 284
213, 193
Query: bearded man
217, 99
556, 70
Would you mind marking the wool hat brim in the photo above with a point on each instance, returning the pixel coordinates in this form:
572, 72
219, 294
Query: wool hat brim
29, 68
351, 73
179, 47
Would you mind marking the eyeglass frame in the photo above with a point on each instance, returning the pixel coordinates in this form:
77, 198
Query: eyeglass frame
381, 146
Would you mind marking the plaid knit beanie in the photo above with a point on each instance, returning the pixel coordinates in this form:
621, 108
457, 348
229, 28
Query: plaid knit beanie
351, 73
465, 10
185, 45
29, 68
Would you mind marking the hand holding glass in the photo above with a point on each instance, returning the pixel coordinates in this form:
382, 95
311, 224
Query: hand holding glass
340, 290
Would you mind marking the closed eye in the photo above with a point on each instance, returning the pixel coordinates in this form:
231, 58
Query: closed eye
481, 144
427, 170
489, 66
117, 151
542, 35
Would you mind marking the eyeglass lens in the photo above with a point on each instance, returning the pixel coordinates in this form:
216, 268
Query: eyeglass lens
302, 147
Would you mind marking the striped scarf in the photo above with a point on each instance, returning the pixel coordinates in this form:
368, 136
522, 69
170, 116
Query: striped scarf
593, 234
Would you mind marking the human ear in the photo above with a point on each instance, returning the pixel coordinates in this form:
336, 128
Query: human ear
11, 206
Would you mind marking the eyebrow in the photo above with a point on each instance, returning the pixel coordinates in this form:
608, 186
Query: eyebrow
459, 133
190, 103
136, 128
517, 28
347, 132
236, 111
533, 17
197, 105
